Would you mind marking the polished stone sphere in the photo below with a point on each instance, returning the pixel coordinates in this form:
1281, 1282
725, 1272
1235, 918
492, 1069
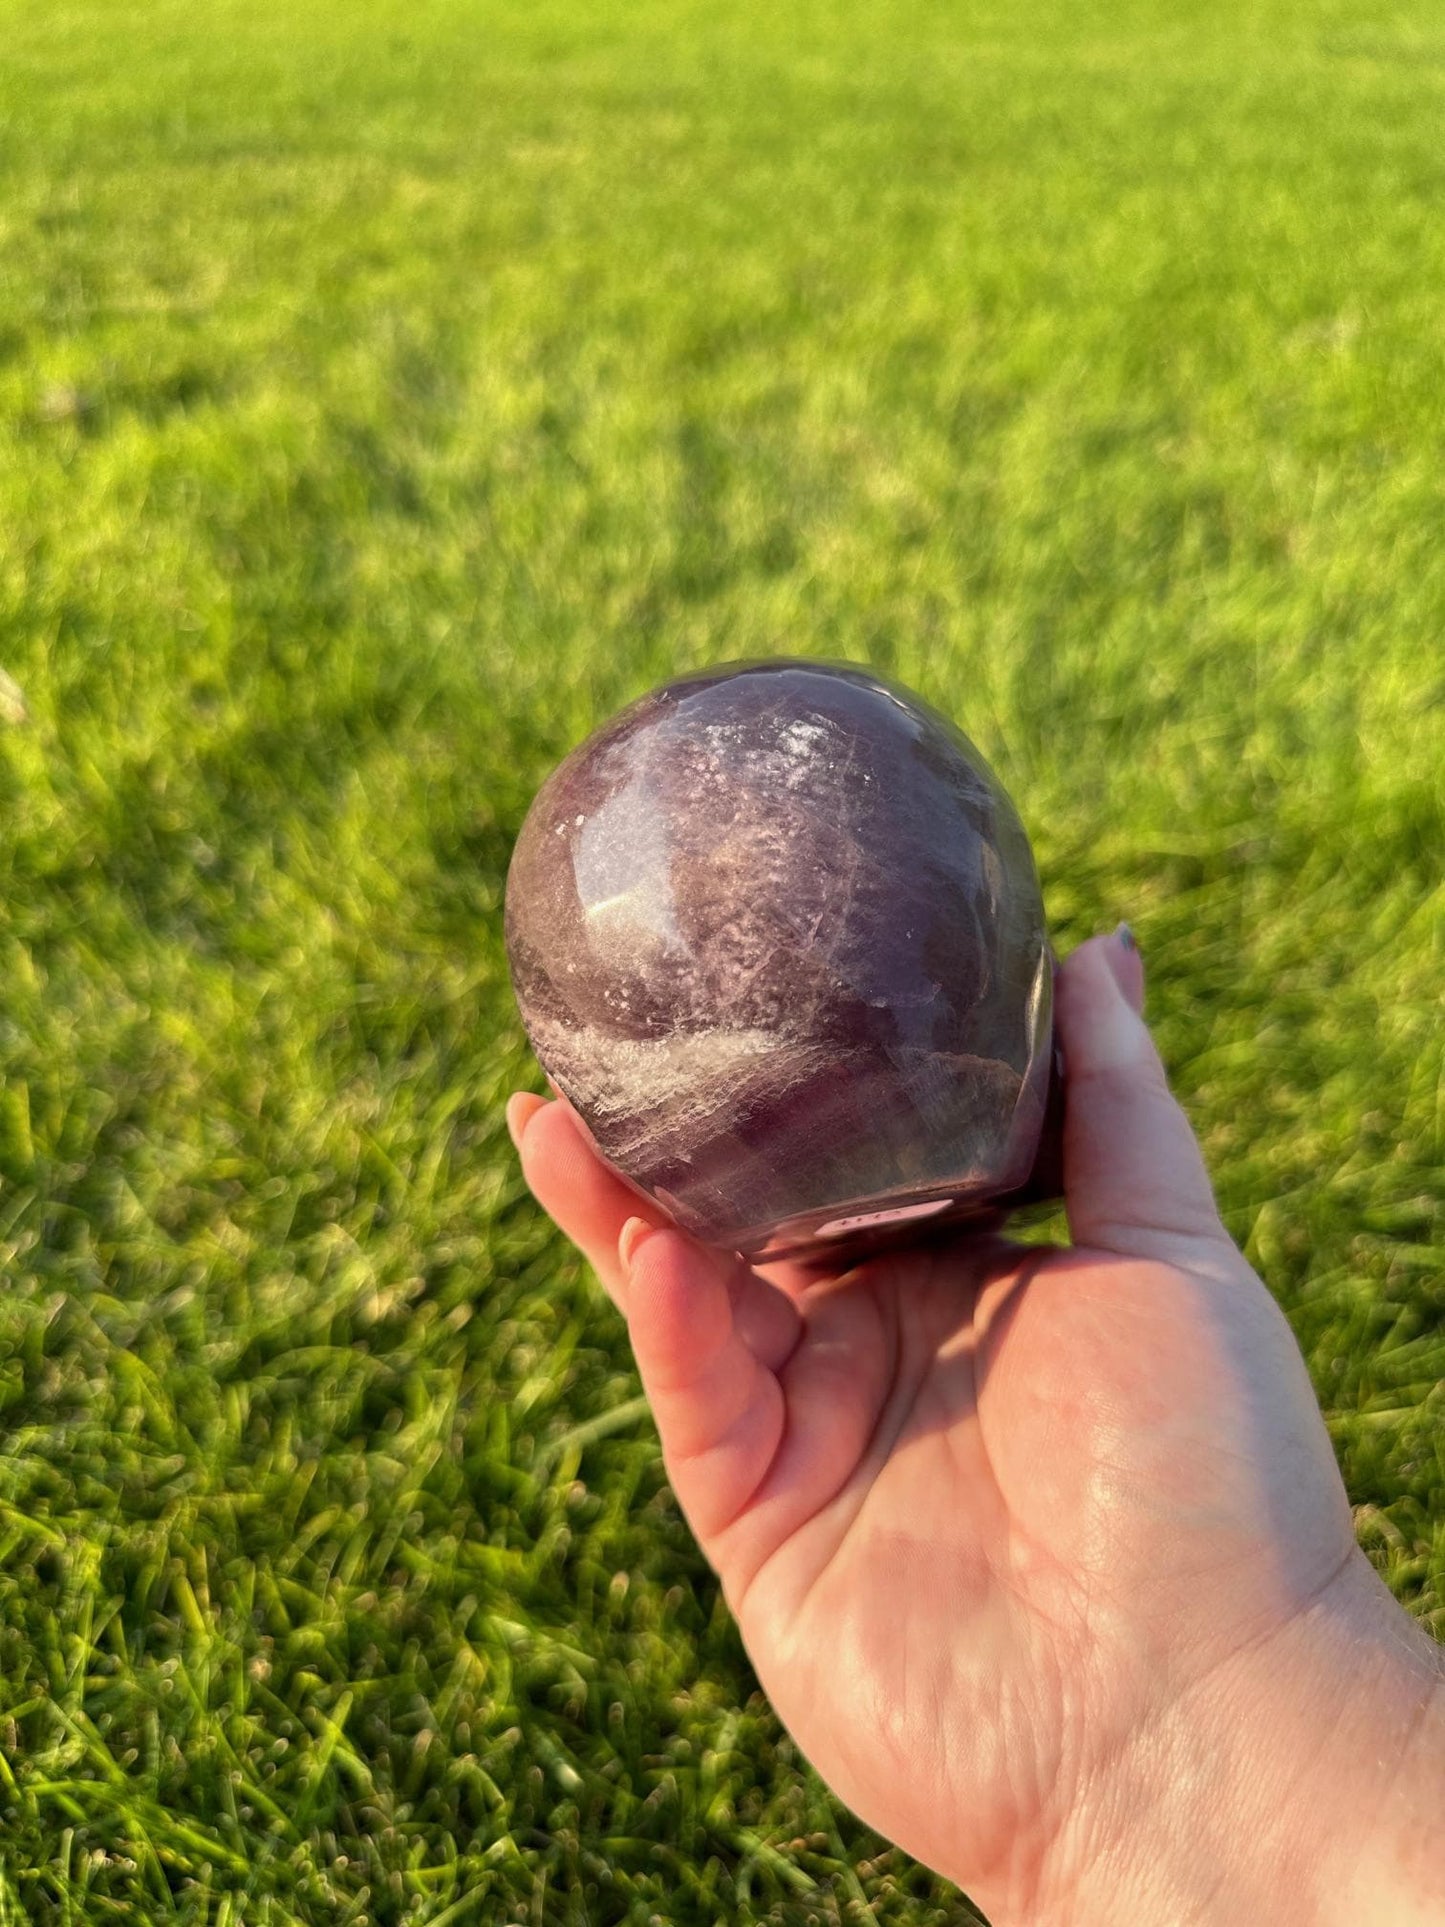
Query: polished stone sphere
776, 934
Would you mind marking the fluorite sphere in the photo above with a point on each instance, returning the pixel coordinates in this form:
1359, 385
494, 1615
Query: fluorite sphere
775, 933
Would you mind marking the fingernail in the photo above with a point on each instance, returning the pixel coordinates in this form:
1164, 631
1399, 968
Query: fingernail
517, 1115
632, 1235
1127, 975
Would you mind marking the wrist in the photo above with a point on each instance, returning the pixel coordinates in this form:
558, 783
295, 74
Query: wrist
1301, 1784
1393, 1873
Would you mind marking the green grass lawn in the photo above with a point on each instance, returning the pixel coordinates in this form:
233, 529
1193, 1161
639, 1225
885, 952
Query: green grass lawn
388, 392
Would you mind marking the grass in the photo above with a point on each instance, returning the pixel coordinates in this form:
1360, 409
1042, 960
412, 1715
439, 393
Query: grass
386, 394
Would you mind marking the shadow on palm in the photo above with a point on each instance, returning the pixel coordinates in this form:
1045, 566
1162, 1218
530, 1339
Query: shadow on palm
1036, 1486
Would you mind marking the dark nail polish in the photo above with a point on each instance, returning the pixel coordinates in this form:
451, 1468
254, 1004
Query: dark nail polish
1126, 937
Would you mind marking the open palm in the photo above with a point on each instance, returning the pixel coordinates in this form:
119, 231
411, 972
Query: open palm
986, 1513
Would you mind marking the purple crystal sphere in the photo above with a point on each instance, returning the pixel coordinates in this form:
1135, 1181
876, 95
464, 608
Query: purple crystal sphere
776, 934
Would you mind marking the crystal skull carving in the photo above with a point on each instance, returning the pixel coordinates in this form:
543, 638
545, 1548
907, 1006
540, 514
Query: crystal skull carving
776, 935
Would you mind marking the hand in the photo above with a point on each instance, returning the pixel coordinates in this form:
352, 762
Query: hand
1041, 1553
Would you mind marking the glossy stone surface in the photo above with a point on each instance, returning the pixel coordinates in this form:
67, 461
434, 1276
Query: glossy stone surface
775, 932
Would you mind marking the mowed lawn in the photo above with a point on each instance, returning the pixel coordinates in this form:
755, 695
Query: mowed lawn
387, 393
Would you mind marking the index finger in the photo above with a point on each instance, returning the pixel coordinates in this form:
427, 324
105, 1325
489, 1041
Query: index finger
587, 1199
582, 1195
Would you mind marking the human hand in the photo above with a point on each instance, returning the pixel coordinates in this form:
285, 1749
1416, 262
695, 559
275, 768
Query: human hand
1041, 1553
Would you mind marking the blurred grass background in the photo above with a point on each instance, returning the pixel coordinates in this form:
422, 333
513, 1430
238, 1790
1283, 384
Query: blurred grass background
387, 393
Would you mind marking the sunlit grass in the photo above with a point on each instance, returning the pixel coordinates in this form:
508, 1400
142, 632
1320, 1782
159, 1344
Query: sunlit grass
388, 392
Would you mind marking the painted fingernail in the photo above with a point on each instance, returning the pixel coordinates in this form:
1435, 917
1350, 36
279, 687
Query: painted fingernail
633, 1233
1126, 937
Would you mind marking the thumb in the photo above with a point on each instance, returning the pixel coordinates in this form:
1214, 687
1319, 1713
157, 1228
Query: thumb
1135, 1182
